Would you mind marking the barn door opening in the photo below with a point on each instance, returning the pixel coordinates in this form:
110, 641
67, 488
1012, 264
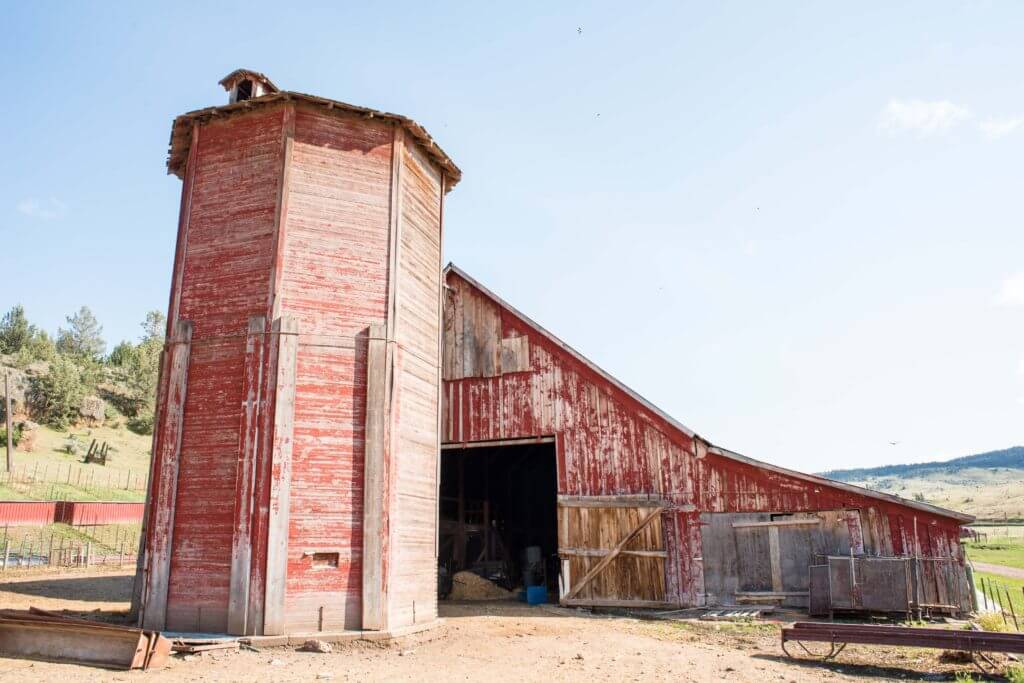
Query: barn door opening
498, 514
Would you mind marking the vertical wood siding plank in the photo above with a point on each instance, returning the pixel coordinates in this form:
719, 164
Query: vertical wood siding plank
287, 334
375, 476
241, 545
161, 540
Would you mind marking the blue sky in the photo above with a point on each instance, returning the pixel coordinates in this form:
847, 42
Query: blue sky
796, 227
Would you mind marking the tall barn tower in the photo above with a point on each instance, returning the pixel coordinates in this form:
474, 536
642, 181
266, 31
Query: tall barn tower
295, 450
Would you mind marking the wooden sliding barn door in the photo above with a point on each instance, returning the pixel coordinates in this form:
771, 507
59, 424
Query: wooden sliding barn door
612, 552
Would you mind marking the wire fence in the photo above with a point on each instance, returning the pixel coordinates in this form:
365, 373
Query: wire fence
60, 476
997, 597
35, 547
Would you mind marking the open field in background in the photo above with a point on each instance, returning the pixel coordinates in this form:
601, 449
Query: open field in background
51, 473
1003, 550
988, 493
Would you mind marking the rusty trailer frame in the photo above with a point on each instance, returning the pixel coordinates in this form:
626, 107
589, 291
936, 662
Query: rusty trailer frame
838, 636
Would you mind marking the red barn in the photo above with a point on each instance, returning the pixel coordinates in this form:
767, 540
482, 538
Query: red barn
639, 508
320, 363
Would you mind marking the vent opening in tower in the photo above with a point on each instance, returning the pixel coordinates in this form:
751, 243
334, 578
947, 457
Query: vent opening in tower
244, 90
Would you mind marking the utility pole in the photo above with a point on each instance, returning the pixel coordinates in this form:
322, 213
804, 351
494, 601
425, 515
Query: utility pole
7, 414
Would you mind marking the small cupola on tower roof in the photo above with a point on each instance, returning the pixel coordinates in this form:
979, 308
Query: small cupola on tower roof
243, 84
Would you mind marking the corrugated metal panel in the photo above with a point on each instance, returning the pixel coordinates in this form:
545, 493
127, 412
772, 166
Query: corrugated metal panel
32, 513
611, 443
26, 513
92, 514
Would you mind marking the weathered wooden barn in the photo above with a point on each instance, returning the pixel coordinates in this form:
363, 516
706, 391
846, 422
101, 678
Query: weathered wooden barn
337, 414
651, 514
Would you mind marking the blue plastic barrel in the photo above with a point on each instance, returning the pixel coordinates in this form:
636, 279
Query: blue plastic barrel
536, 595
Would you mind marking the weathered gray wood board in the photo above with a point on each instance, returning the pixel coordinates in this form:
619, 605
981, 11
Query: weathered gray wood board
764, 557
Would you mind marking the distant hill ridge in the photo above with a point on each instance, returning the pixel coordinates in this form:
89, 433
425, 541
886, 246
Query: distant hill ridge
1010, 457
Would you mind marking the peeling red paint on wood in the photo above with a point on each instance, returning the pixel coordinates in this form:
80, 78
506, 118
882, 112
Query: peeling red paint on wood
287, 214
609, 443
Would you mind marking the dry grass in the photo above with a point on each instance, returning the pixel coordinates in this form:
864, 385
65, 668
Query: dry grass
989, 493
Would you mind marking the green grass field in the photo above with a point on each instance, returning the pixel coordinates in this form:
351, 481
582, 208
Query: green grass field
49, 472
1004, 586
1006, 551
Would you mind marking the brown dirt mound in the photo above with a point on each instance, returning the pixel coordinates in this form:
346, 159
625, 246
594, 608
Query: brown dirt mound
469, 586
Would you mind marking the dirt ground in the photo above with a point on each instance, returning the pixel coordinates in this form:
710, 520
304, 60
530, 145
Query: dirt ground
1001, 570
494, 641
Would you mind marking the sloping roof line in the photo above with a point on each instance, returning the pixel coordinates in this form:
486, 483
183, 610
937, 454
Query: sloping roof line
181, 129
725, 453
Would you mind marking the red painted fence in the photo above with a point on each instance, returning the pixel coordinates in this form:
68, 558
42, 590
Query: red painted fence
32, 513
24, 513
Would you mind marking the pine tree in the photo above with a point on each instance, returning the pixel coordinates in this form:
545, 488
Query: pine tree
15, 330
83, 339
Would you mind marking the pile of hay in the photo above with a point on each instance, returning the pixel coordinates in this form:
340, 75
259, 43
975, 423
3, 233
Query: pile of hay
469, 586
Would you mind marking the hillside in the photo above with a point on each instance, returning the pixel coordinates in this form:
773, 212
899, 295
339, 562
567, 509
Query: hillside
989, 485
1009, 458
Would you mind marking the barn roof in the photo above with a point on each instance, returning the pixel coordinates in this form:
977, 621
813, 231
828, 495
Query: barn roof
181, 129
717, 450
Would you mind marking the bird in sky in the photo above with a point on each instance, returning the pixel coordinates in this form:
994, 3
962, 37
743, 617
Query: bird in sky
894, 443
579, 30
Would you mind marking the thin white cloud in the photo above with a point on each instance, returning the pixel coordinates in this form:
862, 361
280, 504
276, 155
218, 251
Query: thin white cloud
44, 210
921, 117
993, 129
1012, 291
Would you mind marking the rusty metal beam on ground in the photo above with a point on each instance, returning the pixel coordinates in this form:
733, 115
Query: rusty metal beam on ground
46, 635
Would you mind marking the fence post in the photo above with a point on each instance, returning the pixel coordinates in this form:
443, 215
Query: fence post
7, 547
1009, 604
7, 415
88, 556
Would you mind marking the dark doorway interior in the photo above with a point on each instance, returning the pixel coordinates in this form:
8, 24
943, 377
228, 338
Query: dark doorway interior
499, 513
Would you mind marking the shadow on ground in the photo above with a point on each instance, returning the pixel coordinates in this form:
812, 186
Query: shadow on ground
76, 589
865, 670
